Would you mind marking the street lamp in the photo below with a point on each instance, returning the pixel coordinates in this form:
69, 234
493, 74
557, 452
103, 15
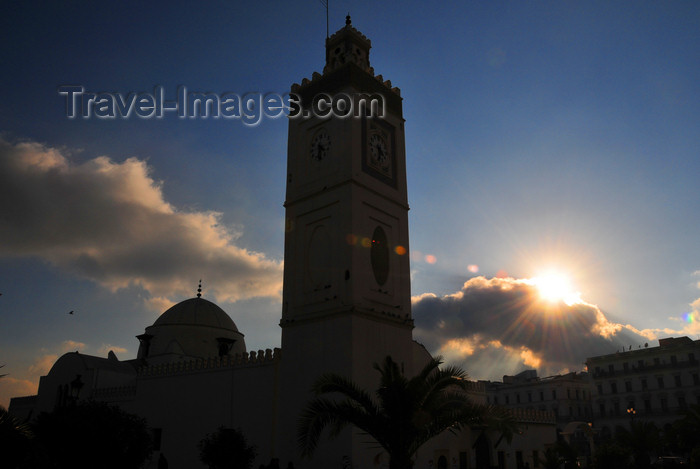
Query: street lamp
75, 386
631, 412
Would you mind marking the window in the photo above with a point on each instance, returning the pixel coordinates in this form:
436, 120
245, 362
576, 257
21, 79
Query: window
554, 394
640, 363
578, 394
664, 404
501, 460
600, 389
529, 396
660, 380
644, 384
656, 361
681, 402
613, 388
507, 399
647, 405
535, 459
677, 381
495, 399
611, 369
625, 366
602, 410
628, 386
696, 378
691, 357
517, 398
541, 395
568, 393
616, 408
462, 460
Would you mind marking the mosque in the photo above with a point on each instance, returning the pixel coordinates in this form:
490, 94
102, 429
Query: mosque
346, 305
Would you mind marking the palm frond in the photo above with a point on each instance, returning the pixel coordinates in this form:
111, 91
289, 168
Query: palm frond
334, 383
403, 414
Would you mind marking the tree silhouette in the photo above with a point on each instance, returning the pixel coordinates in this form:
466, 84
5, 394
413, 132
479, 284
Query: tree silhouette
404, 413
642, 439
15, 438
226, 449
686, 431
91, 435
611, 455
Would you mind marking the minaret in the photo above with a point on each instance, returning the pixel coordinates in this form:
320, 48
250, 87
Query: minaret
346, 300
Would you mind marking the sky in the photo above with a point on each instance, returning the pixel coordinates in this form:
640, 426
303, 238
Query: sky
553, 159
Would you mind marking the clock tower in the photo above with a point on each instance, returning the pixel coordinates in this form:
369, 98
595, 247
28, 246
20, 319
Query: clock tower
346, 298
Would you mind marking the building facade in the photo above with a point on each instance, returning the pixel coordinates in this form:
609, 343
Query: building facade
567, 396
651, 383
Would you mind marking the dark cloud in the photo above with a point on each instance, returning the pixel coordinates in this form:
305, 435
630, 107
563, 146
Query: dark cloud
502, 326
108, 221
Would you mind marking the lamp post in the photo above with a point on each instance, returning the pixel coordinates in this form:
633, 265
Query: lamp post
631, 412
75, 386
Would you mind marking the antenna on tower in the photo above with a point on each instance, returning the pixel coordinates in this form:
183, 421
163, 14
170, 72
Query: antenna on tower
325, 4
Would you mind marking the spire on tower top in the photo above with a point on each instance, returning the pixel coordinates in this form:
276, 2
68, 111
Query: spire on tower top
199, 289
347, 20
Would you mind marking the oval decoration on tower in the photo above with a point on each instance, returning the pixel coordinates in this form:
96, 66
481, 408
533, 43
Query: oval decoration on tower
379, 255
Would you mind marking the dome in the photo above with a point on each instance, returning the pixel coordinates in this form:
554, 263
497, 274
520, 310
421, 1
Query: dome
194, 328
196, 312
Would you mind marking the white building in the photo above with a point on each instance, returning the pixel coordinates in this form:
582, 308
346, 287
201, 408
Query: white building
567, 396
650, 383
346, 305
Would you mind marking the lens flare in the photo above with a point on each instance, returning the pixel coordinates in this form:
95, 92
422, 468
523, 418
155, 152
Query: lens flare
430, 259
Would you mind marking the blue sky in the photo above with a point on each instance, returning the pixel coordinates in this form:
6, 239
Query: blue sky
540, 135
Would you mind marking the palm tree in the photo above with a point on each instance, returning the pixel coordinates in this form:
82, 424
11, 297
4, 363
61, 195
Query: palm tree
15, 438
403, 415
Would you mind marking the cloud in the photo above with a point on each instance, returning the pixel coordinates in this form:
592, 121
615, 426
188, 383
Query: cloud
106, 348
159, 304
13, 387
71, 346
109, 222
502, 326
42, 365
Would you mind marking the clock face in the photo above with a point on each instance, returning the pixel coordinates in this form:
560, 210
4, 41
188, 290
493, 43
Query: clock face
378, 151
320, 145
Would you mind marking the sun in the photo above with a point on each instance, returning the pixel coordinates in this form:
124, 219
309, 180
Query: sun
556, 287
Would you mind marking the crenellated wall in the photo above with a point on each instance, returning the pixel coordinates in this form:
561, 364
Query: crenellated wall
240, 359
